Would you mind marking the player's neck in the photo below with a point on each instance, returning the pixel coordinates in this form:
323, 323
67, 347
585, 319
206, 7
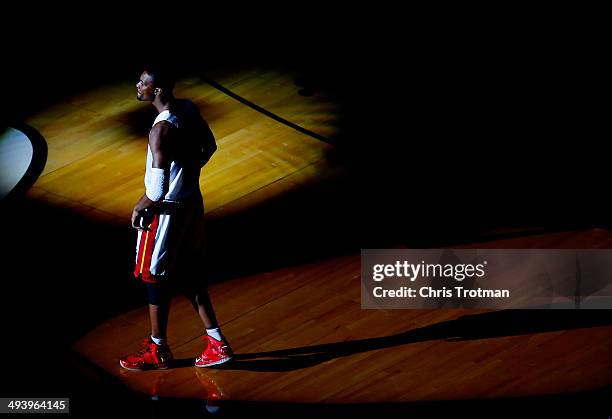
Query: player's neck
162, 104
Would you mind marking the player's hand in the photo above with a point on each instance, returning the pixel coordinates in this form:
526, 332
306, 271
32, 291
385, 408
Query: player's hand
139, 220
135, 221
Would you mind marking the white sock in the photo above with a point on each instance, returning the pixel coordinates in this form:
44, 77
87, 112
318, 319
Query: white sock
216, 334
158, 341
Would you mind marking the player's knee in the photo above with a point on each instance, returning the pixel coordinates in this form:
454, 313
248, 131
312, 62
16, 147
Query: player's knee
158, 294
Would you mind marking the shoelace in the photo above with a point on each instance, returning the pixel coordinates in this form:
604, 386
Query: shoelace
211, 346
146, 347
219, 349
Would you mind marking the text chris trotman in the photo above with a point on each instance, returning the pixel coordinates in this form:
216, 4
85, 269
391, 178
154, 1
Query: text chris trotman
414, 271
486, 278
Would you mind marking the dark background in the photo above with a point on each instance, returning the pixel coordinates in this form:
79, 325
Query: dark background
447, 131
443, 121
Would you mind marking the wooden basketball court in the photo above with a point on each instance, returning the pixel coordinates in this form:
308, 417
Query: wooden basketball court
299, 332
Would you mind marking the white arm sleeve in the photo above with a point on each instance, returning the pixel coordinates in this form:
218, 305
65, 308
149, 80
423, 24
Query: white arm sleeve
156, 184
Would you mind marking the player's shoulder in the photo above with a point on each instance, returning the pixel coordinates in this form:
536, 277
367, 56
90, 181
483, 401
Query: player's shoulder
161, 127
159, 133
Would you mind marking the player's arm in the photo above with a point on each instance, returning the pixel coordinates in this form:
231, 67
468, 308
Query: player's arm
159, 184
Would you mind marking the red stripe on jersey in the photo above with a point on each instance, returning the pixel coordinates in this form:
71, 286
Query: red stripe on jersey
145, 252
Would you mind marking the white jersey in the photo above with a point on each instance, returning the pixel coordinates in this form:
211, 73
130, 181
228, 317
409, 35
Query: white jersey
173, 239
183, 181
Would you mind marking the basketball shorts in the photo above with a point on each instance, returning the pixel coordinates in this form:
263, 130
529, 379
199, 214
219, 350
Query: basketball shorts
173, 245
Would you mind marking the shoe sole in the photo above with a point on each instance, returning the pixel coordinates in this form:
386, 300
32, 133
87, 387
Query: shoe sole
159, 367
223, 361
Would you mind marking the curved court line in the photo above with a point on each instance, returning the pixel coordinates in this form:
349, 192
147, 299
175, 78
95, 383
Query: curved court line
37, 164
266, 112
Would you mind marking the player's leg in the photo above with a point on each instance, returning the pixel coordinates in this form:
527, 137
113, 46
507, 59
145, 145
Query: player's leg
217, 350
200, 300
155, 352
160, 297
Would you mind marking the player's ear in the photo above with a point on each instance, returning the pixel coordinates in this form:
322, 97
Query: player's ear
157, 91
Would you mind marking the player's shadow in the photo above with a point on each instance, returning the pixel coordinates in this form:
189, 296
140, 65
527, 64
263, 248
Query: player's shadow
478, 326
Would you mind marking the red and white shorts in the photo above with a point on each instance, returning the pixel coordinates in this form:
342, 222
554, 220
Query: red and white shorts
173, 244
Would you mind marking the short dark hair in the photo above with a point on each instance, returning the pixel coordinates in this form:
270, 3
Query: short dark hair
162, 76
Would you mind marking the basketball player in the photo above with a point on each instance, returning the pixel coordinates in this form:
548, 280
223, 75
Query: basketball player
169, 220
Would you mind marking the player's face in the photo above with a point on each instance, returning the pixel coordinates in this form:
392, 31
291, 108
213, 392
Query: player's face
145, 88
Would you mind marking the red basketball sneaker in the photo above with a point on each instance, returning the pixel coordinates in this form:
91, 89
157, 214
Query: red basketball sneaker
215, 353
150, 357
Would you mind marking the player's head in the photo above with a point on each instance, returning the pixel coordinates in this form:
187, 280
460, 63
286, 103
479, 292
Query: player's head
154, 81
